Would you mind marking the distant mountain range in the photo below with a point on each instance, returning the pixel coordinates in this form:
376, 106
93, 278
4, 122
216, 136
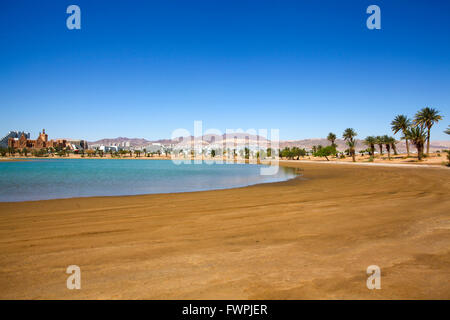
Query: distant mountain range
253, 139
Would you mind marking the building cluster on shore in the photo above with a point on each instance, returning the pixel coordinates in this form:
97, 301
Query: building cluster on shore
21, 140
126, 146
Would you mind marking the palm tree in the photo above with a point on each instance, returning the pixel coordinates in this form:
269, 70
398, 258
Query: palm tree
351, 145
401, 123
349, 136
448, 130
379, 142
370, 141
388, 141
417, 136
246, 153
427, 117
394, 147
332, 138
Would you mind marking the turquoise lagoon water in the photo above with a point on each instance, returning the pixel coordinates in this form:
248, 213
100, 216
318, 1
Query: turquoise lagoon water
68, 178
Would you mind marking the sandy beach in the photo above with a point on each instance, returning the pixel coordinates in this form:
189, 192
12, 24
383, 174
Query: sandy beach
308, 238
434, 159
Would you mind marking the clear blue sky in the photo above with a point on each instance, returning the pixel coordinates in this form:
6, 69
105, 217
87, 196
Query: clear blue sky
145, 68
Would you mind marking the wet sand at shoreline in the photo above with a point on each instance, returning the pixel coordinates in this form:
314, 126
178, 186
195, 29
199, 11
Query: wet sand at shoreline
308, 238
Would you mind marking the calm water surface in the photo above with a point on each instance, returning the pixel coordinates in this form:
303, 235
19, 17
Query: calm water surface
68, 178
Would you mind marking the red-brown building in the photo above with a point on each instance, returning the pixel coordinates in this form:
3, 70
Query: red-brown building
41, 142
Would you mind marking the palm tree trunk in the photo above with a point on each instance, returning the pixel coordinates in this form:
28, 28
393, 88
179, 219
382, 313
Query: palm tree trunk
407, 147
353, 156
428, 142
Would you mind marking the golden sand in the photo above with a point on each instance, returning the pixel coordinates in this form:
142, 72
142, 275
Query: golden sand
311, 237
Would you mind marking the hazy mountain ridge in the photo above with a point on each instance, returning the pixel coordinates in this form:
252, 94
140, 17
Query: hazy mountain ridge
209, 138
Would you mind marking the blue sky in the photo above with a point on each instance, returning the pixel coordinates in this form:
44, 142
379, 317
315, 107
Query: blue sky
146, 68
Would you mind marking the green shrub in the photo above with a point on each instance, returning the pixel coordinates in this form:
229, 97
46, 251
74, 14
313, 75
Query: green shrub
325, 152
